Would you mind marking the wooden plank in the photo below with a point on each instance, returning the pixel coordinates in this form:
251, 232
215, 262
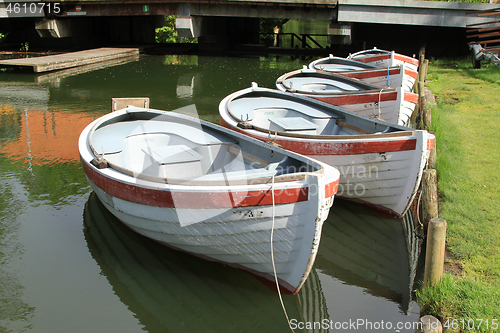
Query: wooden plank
482, 30
491, 34
119, 103
497, 12
235, 150
485, 42
484, 23
353, 127
491, 49
71, 59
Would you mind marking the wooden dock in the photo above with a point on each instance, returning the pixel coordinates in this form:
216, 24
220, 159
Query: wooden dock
71, 59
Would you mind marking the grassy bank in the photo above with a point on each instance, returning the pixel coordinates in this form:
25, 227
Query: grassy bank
466, 120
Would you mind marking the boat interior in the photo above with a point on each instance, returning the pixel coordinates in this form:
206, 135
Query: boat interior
287, 116
312, 81
337, 64
167, 151
319, 85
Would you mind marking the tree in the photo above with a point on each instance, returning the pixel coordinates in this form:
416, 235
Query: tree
168, 34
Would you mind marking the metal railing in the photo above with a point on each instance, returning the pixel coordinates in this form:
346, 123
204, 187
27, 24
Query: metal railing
303, 39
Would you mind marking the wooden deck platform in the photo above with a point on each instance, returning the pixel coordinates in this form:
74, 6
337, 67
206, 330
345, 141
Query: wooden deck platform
71, 59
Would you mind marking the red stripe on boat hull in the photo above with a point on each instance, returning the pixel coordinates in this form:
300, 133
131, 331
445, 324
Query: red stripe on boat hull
360, 98
430, 143
348, 148
407, 59
371, 74
197, 200
411, 97
329, 147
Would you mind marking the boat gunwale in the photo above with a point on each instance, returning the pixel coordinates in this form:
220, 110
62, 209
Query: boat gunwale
240, 94
285, 178
327, 75
346, 61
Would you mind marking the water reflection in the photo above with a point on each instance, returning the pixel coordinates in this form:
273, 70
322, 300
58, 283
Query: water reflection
15, 313
172, 291
364, 266
54, 78
376, 256
367, 251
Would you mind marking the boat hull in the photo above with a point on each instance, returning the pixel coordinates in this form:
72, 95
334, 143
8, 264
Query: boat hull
401, 75
382, 58
379, 170
396, 76
394, 105
228, 224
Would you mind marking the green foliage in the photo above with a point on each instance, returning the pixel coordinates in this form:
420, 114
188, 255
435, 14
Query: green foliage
168, 34
267, 29
24, 47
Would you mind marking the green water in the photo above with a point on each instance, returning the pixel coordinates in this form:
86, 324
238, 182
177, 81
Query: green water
67, 265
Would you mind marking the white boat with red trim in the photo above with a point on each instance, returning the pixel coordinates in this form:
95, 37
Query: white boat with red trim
384, 58
209, 191
380, 164
394, 105
339, 64
390, 77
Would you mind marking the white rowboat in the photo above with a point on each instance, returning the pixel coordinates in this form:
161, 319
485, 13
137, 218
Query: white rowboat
390, 77
394, 105
338, 64
380, 164
211, 192
384, 58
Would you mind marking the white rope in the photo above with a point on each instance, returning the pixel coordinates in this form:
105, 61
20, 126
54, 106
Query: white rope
272, 259
379, 99
418, 202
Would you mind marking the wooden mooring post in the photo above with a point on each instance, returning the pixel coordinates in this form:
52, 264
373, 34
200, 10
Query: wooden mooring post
434, 256
435, 226
422, 108
430, 209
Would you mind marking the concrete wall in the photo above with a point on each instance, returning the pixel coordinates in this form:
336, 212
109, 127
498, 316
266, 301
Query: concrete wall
424, 13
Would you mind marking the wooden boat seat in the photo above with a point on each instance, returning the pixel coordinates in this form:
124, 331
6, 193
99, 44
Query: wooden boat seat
266, 172
111, 138
277, 112
297, 124
324, 87
172, 154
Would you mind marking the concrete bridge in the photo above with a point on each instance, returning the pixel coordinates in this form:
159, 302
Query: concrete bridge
220, 21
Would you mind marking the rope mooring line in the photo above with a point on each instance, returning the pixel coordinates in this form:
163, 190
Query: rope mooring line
272, 258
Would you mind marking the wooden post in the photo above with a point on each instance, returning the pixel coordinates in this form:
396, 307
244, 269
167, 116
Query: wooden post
421, 95
422, 105
421, 65
434, 257
431, 164
429, 196
426, 66
426, 118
